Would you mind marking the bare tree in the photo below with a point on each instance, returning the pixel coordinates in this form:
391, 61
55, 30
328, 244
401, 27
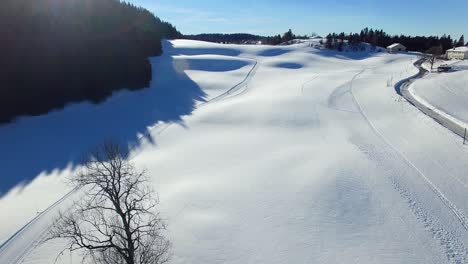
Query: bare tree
435, 53
115, 222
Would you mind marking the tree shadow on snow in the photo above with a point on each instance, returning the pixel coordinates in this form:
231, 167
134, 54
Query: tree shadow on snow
34, 145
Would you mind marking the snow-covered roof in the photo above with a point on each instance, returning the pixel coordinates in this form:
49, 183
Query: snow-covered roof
394, 45
460, 49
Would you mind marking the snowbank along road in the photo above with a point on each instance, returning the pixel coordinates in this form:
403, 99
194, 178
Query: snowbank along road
446, 118
283, 155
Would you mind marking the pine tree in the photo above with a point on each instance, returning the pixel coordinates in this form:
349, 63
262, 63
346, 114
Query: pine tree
329, 41
53, 52
461, 41
382, 39
288, 36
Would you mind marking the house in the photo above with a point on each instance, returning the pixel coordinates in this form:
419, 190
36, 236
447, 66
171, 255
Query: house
460, 53
395, 48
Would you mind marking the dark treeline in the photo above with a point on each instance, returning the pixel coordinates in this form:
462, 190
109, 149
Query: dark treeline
279, 39
53, 52
243, 38
381, 39
236, 38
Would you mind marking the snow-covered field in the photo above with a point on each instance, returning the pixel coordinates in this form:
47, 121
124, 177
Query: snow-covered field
447, 92
261, 155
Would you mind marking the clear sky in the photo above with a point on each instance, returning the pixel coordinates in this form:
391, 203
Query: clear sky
268, 17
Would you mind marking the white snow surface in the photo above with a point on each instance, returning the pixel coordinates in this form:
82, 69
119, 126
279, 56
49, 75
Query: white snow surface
446, 92
462, 49
310, 159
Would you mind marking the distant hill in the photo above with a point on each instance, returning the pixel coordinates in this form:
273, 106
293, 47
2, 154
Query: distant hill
53, 52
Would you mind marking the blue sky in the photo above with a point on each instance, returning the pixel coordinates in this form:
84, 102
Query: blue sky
429, 17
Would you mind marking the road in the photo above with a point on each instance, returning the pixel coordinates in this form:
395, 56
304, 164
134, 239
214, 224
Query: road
402, 89
331, 147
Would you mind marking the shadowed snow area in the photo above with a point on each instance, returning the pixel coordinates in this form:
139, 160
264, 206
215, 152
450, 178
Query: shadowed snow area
209, 63
366, 53
58, 140
289, 65
323, 164
273, 52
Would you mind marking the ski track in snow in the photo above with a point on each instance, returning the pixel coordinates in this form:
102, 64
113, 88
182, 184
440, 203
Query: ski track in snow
463, 219
39, 238
383, 153
234, 91
337, 92
455, 250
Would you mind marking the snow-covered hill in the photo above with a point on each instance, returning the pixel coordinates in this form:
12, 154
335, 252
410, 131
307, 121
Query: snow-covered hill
261, 155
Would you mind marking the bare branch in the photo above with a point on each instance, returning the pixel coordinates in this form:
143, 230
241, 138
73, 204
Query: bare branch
115, 221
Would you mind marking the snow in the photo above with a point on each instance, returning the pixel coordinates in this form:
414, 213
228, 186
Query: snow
272, 155
446, 92
53, 144
459, 49
427, 64
394, 45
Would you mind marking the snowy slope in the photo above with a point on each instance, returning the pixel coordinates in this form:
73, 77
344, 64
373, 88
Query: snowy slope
447, 92
54, 144
311, 159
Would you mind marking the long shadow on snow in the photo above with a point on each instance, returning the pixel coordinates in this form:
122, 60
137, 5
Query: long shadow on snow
34, 145
203, 51
273, 52
347, 55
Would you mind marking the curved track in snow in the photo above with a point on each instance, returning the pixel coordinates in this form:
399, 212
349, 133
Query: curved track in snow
364, 192
238, 88
12, 254
403, 89
454, 249
461, 253
460, 216
231, 92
